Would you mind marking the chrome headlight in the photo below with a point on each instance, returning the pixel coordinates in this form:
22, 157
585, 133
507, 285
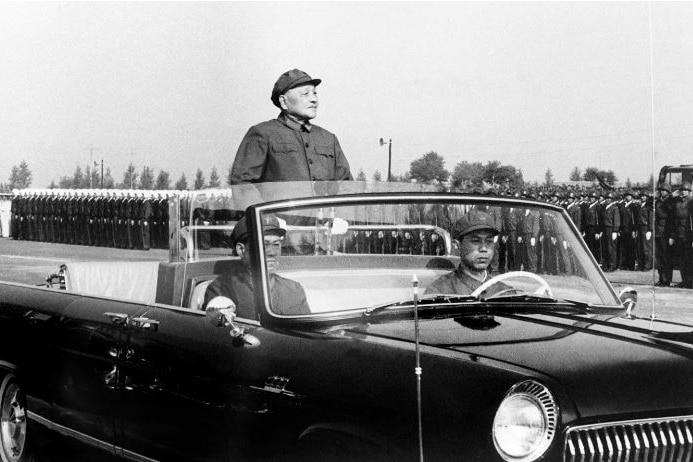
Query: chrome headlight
525, 422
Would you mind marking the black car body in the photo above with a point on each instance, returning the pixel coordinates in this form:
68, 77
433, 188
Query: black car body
127, 358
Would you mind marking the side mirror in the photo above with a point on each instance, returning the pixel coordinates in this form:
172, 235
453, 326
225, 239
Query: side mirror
629, 298
221, 312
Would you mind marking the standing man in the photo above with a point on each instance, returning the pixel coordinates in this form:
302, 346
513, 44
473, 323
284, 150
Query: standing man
683, 236
664, 235
645, 227
612, 227
628, 232
290, 148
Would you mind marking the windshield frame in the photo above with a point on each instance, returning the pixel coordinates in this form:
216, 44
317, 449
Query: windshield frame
260, 272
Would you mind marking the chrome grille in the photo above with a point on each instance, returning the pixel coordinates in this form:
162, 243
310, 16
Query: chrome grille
636, 440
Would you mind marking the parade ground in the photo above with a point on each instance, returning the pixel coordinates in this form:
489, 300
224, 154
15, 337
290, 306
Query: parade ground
30, 262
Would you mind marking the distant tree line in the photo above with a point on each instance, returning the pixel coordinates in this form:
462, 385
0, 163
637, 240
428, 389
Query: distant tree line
429, 168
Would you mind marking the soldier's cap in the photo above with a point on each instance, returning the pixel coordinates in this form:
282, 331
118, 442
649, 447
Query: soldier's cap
474, 221
270, 225
291, 79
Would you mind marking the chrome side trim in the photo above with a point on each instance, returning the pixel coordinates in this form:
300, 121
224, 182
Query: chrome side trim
91, 441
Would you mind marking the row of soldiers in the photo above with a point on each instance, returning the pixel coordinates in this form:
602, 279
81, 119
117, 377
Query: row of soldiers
616, 225
626, 230
126, 219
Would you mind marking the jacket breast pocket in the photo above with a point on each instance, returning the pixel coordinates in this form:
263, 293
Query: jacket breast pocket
285, 149
325, 150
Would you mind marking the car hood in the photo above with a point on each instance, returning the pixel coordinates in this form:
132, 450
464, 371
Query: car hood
607, 364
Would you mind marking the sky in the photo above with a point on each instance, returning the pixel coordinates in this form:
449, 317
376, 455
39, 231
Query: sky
175, 86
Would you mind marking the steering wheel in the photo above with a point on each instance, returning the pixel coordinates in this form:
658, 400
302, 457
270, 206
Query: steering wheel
543, 290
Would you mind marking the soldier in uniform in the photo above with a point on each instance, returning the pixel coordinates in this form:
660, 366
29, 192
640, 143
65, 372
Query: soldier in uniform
593, 227
612, 227
14, 213
664, 235
509, 259
645, 227
683, 236
628, 232
290, 148
528, 237
70, 229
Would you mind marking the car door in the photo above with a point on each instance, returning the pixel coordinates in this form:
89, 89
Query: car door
194, 392
69, 360
174, 397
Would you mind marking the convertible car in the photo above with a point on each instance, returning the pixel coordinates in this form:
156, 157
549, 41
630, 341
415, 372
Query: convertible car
135, 359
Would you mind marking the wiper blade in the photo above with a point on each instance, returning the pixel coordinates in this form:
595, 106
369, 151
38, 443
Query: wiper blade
540, 299
519, 298
430, 299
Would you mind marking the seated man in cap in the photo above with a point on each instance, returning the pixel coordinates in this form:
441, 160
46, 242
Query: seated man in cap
476, 232
287, 296
290, 148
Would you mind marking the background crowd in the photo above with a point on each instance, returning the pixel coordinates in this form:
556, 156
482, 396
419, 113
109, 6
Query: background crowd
622, 228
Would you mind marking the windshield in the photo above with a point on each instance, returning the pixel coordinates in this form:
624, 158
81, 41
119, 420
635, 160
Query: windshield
338, 247
363, 252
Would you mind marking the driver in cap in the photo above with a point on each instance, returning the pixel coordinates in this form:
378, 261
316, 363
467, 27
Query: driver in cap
287, 296
475, 233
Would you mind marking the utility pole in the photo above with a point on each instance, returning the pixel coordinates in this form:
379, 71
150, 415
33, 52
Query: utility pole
91, 150
389, 157
132, 173
96, 165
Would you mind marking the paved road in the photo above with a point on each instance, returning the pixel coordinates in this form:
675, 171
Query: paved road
31, 262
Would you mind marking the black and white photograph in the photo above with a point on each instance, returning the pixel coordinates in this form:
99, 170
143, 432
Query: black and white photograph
302, 231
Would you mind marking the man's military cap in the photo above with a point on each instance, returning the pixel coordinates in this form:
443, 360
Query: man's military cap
291, 79
270, 225
474, 221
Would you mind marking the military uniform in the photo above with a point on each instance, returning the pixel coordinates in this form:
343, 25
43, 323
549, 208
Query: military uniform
284, 150
683, 239
645, 226
664, 237
289, 149
593, 228
612, 227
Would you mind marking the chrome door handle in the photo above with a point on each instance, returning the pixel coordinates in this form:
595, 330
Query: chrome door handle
120, 319
145, 323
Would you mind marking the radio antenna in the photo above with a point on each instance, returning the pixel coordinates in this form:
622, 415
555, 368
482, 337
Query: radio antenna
417, 369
